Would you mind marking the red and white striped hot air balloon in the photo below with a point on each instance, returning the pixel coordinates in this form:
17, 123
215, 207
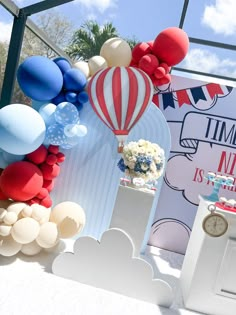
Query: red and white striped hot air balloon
119, 96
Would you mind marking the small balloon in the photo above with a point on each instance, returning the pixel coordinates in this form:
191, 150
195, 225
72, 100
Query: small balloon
62, 63
59, 98
83, 66
74, 80
83, 97
66, 113
71, 97
82, 131
55, 134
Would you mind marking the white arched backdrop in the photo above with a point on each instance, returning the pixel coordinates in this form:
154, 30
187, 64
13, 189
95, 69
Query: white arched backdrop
90, 176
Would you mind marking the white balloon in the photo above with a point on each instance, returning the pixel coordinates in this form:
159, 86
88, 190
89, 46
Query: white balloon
83, 66
25, 230
97, 63
48, 235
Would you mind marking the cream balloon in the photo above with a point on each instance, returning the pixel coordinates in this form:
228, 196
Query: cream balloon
10, 218
26, 212
16, 207
40, 213
117, 52
25, 230
70, 218
97, 63
3, 212
48, 235
5, 229
8, 246
31, 249
83, 66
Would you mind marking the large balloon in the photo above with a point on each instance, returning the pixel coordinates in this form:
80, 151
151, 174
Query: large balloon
22, 129
171, 45
40, 78
119, 96
116, 51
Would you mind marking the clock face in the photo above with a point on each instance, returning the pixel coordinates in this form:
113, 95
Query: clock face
215, 225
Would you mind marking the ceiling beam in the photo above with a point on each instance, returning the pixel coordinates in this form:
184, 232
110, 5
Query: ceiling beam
183, 14
43, 5
211, 43
10, 6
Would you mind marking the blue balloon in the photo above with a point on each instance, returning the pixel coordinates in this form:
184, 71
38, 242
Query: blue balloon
83, 97
40, 78
59, 98
79, 106
66, 113
47, 113
71, 97
55, 134
22, 129
62, 63
74, 80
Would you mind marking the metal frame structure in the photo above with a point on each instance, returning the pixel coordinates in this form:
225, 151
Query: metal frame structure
21, 20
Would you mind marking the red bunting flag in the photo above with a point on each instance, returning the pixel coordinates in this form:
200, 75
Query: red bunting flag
155, 100
183, 97
214, 89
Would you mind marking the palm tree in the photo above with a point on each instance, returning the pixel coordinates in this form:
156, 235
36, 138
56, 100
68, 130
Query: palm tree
88, 40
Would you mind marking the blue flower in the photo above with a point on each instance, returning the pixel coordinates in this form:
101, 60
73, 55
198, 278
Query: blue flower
122, 165
159, 166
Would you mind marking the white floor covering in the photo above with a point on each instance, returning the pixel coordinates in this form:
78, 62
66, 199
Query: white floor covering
27, 287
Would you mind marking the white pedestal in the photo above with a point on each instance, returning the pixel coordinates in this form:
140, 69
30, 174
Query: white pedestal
131, 213
208, 277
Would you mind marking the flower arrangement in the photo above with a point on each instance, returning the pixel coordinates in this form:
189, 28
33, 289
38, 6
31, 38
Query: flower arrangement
142, 159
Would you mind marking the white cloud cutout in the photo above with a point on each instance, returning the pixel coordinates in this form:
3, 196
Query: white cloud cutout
220, 17
5, 33
110, 265
100, 5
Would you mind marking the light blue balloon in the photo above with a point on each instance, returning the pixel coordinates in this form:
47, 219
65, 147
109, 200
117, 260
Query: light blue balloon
22, 129
47, 113
66, 113
11, 158
55, 134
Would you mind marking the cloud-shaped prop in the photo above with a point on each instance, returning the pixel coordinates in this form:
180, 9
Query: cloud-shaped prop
110, 265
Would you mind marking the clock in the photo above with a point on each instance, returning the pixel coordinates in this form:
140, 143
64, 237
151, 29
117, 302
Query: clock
214, 224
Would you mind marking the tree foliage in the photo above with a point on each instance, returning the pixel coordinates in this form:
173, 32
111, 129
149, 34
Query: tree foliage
87, 40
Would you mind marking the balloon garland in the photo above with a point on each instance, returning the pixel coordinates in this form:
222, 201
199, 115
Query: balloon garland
32, 137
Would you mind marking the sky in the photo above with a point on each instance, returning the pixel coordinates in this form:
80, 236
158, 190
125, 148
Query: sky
207, 19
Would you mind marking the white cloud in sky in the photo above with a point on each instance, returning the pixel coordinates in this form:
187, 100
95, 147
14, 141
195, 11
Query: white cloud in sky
5, 33
220, 17
100, 5
205, 61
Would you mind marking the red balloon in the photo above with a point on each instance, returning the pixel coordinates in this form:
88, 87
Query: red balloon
21, 181
159, 72
140, 50
171, 45
148, 63
38, 156
48, 184
50, 171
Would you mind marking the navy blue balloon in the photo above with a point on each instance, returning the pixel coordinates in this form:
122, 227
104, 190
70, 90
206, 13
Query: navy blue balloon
62, 63
83, 97
79, 106
71, 97
60, 98
40, 78
74, 80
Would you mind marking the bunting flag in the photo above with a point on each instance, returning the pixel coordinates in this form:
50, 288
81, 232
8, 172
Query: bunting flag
192, 96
